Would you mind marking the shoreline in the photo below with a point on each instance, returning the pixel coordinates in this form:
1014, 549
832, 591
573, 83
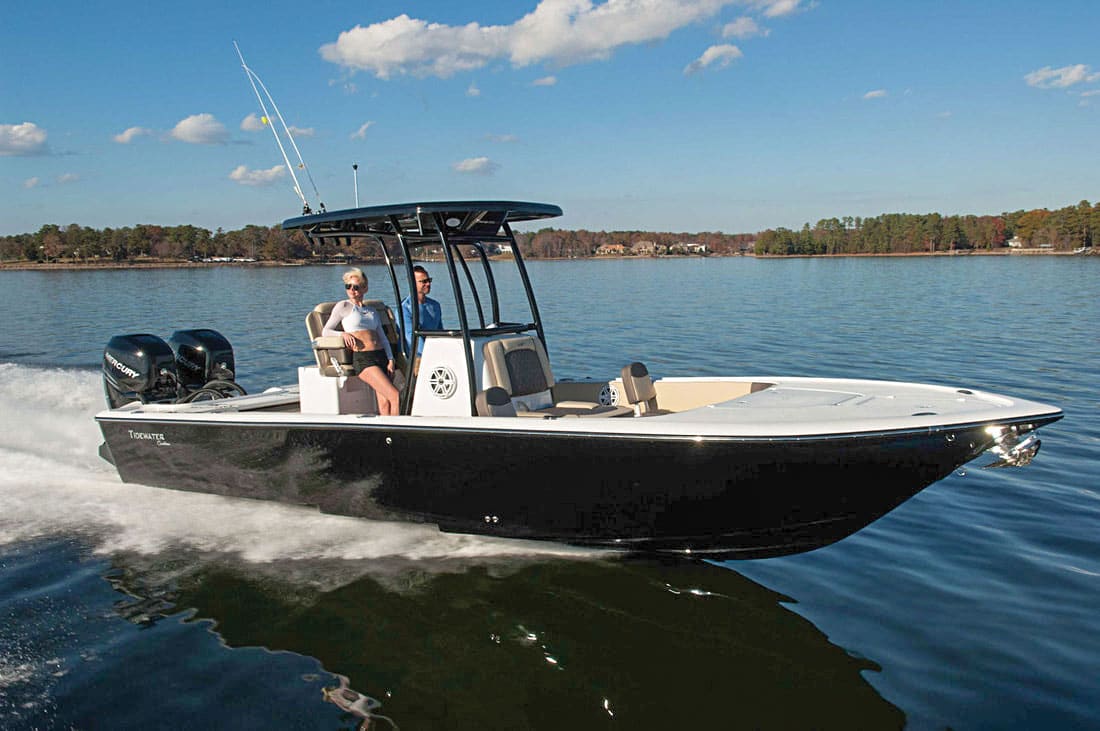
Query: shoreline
170, 264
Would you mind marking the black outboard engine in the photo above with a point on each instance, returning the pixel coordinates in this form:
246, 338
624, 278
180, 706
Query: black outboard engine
204, 362
202, 356
138, 368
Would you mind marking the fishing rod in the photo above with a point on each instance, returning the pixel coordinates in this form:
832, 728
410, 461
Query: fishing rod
254, 79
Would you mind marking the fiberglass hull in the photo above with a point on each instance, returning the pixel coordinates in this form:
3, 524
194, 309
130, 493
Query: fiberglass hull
718, 496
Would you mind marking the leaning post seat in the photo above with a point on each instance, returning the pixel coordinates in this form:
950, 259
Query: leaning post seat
333, 359
331, 388
519, 366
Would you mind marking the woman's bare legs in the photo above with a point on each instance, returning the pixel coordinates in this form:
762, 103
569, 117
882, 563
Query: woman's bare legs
384, 390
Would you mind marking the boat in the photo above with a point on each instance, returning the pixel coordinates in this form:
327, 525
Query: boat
488, 441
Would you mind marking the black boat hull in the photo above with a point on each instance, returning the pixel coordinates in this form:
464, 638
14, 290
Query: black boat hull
721, 497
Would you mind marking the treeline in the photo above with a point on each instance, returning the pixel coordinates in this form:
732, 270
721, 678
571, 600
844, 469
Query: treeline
1064, 229
75, 243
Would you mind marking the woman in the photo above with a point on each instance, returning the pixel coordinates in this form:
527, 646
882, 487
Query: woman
361, 329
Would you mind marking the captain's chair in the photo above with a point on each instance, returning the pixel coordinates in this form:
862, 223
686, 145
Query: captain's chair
519, 366
333, 359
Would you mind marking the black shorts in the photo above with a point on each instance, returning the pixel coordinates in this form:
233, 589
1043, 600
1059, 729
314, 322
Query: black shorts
361, 360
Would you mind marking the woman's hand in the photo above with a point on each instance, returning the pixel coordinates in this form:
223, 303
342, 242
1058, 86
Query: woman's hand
389, 367
349, 341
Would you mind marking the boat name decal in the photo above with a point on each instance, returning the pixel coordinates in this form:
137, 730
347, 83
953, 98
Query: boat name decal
120, 366
146, 435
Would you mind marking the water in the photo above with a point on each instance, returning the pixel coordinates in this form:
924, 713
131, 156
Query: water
972, 606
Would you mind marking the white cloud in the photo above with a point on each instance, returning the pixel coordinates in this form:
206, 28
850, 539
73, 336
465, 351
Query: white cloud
130, 134
472, 90
563, 32
22, 139
743, 28
502, 138
875, 94
722, 55
545, 81
252, 123
200, 129
1092, 92
361, 133
67, 178
476, 166
1048, 78
244, 176
31, 183
777, 8
256, 123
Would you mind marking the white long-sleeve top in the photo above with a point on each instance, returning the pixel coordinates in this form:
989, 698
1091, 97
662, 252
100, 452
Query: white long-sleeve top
349, 317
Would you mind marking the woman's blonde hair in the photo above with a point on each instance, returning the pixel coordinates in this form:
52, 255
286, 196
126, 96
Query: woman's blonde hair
356, 273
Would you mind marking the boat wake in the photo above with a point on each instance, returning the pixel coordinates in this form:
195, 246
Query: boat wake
53, 483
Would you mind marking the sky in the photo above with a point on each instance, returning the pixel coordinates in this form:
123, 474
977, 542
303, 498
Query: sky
655, 115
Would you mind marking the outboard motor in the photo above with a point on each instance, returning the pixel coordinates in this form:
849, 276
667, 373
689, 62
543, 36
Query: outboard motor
202, 356
204, 362
138, 368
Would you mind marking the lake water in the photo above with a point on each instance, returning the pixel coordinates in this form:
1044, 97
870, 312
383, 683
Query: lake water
972, 606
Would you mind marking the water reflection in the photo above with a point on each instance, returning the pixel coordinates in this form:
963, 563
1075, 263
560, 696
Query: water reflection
537, 643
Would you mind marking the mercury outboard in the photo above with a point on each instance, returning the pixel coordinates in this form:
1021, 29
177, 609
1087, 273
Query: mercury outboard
139, 367
204, 364
193, 365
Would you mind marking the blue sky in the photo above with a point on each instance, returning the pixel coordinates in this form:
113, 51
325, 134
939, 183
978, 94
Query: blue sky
667, 115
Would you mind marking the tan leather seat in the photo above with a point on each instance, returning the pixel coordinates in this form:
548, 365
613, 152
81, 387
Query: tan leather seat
639, 390
519, 366
494, 401
333, 359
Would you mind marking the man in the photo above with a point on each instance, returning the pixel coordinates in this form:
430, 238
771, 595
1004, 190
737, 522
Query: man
430, 314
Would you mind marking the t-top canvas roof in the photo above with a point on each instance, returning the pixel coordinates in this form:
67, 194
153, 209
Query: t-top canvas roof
453, 218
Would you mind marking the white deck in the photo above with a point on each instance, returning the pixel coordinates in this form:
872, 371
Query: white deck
793, 407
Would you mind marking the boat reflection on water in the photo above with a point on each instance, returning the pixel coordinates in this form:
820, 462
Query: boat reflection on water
528, 643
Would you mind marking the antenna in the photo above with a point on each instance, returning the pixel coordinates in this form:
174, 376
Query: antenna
253, 79
355, 177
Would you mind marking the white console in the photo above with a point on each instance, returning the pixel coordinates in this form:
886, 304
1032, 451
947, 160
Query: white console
334, 394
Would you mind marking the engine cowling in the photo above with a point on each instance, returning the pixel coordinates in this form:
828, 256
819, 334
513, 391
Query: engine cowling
202, 355
138, 367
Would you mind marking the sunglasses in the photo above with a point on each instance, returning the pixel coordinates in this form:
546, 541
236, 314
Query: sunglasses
427, 280
356, 287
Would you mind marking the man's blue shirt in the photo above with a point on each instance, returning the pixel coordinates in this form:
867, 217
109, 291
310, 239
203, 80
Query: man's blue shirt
431, 318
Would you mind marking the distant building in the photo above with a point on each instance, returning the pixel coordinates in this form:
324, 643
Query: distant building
687, 247
644, 248
611, 250
1016, 242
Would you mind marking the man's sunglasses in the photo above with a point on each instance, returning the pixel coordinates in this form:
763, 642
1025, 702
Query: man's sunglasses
426, 280
356, 287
